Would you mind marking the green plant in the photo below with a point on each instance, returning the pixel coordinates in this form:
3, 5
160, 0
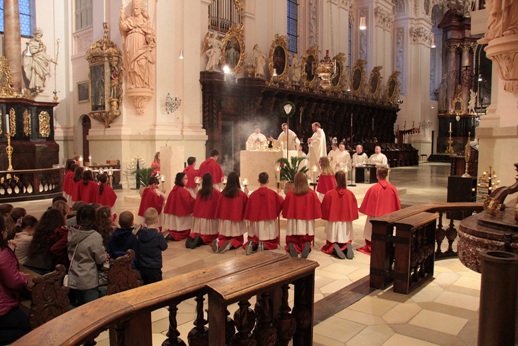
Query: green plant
291, 167
143, 175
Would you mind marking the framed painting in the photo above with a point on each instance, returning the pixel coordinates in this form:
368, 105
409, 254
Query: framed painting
233, 49
83, 91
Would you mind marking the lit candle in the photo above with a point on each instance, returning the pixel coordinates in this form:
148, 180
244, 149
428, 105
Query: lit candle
245, 182
277, 171
162, 178
450, 126
90, 159
314, 173
80, 160
197, 180
7, 125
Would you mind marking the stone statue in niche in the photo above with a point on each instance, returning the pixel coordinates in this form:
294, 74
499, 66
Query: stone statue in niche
36, 63
296, 69
502, 19
260, 62
442, 96
139, 44
212, 50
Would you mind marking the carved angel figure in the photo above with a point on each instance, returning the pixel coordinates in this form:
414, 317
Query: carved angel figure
213, 51
296, 65
472, 101
260, 61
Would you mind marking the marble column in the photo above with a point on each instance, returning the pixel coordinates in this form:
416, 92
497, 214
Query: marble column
452, 79
12, 41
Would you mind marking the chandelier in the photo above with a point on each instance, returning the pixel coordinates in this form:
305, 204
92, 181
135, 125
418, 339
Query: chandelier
326, 70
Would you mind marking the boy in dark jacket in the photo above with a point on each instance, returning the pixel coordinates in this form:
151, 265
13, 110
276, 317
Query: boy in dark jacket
122, 238
150, 245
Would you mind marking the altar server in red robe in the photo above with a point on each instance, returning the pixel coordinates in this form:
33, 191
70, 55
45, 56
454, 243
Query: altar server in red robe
105, 196
88, 188
301, 209
68, 181
212, 167
382, 198
76, 181
152, 197
262, 210
230, 212
191, 173
204, 220
326, 180
178, 210
340, 209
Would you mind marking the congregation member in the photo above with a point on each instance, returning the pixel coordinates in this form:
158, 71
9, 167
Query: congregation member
317, 145
287, 138
59, 238
378, 158
178, 210
256, 141
152, 197
71, 217
104, 223
86, 254
14, 322
122, 238
359, 157
230, 212
262, 212
212, 167
340, 209
301, 209
105, 194
191, 173
23, 237
326, 179
13, 220
204, 220
150, 244
381, 198
76, 181
68, 181
156, 164
88, 188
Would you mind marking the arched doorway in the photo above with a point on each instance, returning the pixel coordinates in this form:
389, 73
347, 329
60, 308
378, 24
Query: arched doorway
86, 126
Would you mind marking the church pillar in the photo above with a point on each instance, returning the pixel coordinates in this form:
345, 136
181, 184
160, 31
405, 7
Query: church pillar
12, 42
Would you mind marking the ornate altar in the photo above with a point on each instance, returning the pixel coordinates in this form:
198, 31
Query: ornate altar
105, 60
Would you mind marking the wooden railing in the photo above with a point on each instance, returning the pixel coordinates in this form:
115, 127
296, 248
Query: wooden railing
402, 243
23, 185
265, 274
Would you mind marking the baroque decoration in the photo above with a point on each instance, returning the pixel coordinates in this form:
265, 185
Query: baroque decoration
26, 123
309, 65
384, 18
105, 60
278, 61
233, 52
44, 124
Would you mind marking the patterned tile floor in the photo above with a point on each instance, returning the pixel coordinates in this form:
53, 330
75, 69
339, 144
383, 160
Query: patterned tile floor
444, 312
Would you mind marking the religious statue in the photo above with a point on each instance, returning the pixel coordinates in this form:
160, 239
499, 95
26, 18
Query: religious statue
213, 51
502, 19
139, 44
442, 94
296, 64
472, 101
260, 62
36, 63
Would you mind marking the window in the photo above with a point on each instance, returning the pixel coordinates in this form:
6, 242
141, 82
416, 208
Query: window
83, 14
25, 17
293, 30
223, 14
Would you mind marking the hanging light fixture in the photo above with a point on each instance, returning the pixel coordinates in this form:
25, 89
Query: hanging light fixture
363, 23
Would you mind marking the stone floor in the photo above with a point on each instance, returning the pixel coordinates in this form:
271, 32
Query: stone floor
444, 312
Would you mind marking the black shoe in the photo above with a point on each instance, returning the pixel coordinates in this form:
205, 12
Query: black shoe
188, 242
349, 254
260, 247
338, 252
225, 247
307, 249
199, 241
195, 241
293, 252
214, 245
250, 248
169, 238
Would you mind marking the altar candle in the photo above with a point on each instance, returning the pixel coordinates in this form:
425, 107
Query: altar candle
450, 126
245, 182
90, 159
162, 178
314, 173
7, 125
277, 171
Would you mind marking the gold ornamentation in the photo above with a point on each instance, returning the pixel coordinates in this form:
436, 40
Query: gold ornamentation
375, 83
358, 78
492, 206
6, 82
44, 124
233, 52
278, 61
26, 123
1, 124
393, 88
309, 65
339, 76
12, 122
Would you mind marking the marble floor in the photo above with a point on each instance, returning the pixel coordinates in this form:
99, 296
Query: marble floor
443, 312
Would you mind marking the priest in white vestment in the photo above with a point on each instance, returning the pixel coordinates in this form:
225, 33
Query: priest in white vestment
359, 157
341, 159
256, 141
317, 145
286, 138
378, 158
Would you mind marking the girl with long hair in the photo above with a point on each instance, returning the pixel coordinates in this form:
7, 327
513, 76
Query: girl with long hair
76, 181
88, 188
326, 180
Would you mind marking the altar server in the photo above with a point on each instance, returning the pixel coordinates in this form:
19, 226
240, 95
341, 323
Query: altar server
152, 197
230, 212
212, 167
178, 210
326, 180
76, 180
340, 209
88, 188
205, 223
191, 173
301, 209
105, 195
382, 198
68, 181
262, 211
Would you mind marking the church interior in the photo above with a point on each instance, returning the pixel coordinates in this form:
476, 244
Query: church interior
433, 83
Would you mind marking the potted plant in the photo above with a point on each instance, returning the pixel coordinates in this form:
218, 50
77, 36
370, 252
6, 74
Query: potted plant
142, 176
288, 169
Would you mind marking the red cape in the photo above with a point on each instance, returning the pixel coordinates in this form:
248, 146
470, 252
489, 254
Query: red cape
206, 208
382, 198
74, 190
339, 204
107, 198
67, 183
232, 209
263, 204
326, 183
179, 202
150, 200
191, 173
302, 207
213, 168
87, 193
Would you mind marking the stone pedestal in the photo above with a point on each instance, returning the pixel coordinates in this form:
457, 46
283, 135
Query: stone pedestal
171, 162
255, 162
